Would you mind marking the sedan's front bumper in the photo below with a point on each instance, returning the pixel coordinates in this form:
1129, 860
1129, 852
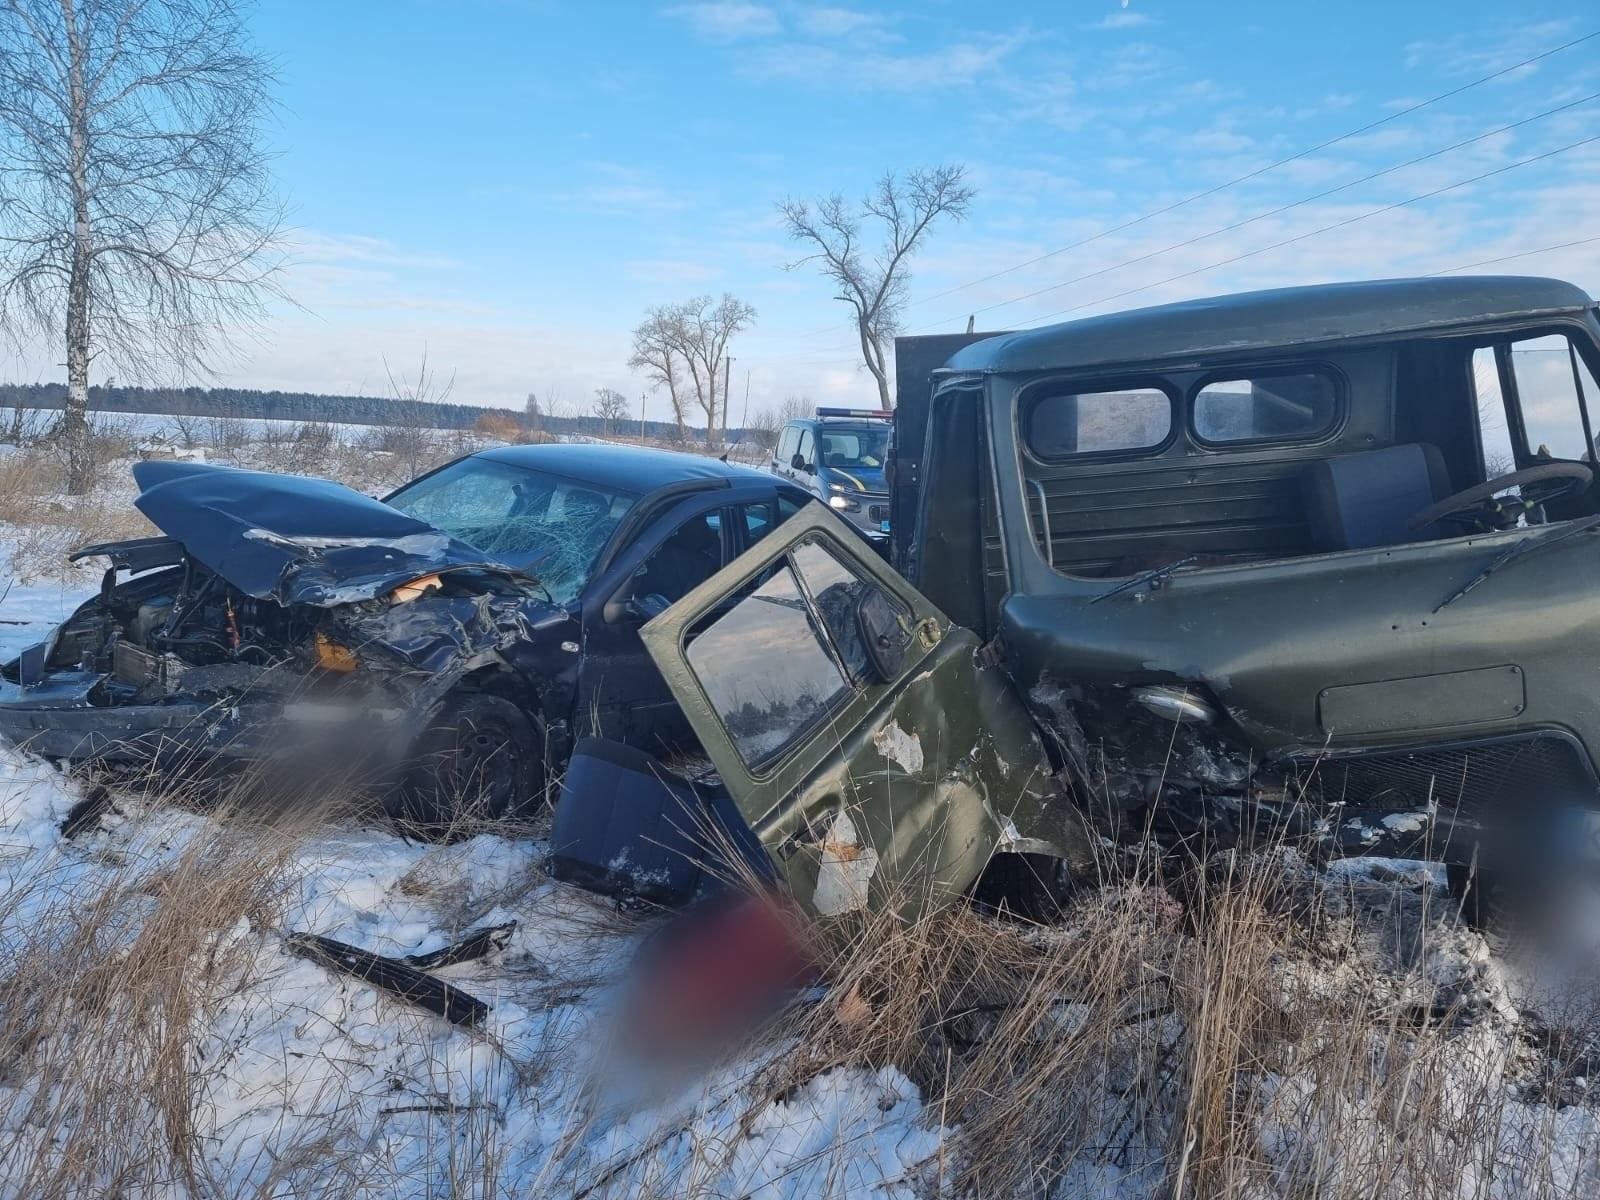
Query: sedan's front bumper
57, 719
52, 726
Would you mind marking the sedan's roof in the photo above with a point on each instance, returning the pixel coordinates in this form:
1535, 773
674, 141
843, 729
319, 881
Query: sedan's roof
1267, 320
634, 469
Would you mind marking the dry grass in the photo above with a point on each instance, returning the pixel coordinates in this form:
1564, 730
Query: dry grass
103, 991
46, 523
1238, 1029
1232, 1032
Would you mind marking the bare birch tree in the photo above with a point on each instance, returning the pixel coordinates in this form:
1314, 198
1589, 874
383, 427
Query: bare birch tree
137, 219
874, 284
655, 352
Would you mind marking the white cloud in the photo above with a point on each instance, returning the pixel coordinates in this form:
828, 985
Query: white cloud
824, 22
309, 245
727, 20
874, 69
619, 189
1123, 19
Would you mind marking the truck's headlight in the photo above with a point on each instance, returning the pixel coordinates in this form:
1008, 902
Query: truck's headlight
844, 503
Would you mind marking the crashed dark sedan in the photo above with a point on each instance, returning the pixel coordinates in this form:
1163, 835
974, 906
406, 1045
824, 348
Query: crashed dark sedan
446, 644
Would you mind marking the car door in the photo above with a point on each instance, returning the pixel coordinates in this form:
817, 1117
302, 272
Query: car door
621, 694
872, 753
787, 441
807, 451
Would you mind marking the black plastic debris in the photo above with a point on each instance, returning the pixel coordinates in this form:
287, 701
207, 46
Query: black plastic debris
85, 815
478, 944
393, 975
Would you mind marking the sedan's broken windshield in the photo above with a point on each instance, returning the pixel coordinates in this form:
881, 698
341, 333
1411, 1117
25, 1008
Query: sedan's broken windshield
544, 524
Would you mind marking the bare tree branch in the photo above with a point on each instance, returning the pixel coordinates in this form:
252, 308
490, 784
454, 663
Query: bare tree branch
137, 218
875, 289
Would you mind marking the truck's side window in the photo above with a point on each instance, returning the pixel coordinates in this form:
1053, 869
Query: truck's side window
1060, 424
1552, 414
764, 709
808, 448
786, 444
1499, 458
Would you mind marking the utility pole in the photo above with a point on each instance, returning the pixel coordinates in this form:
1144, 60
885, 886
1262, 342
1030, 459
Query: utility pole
744, 422
642, 397
727, 367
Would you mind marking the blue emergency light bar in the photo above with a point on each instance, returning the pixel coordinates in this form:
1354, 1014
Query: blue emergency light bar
869, 414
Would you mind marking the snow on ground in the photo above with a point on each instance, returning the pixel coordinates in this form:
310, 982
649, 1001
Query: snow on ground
325, 1079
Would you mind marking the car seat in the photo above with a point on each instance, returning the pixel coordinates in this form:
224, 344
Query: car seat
1357, 501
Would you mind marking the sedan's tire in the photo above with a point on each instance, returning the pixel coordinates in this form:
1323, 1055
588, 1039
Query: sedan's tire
479, 760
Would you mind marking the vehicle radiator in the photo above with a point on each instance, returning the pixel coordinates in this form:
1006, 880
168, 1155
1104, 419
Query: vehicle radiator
1461, 777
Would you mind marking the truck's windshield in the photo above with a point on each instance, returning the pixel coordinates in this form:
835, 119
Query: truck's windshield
847, 448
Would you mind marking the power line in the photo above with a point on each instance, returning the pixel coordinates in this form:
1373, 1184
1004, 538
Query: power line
1348, 221
1249, 175
1272, 212
1489, 262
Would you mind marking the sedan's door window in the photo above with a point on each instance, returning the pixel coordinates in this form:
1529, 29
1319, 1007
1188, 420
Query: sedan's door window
765, 668
689, 556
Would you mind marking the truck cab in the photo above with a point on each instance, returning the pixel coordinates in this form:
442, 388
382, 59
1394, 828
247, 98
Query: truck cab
1332, 549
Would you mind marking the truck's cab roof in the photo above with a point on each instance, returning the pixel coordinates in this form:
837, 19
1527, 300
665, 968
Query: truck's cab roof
1281, 317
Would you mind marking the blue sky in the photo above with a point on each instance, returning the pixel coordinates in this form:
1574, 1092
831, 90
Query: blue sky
510, 183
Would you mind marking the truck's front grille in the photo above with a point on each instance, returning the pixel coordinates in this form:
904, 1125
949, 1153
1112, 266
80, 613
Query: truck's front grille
1464, 777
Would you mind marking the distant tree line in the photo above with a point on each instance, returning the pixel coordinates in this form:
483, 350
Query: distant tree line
317, 407
245, 402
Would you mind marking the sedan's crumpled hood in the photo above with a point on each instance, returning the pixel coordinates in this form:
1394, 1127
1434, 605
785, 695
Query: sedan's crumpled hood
292, 538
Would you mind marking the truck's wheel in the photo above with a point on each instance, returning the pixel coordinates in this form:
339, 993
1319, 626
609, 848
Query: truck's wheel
1034, 887
479, 760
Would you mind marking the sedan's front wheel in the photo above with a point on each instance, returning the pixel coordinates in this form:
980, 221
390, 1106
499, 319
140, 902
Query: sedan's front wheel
479, 760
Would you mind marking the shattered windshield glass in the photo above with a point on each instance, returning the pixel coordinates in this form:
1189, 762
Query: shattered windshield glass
551, 527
